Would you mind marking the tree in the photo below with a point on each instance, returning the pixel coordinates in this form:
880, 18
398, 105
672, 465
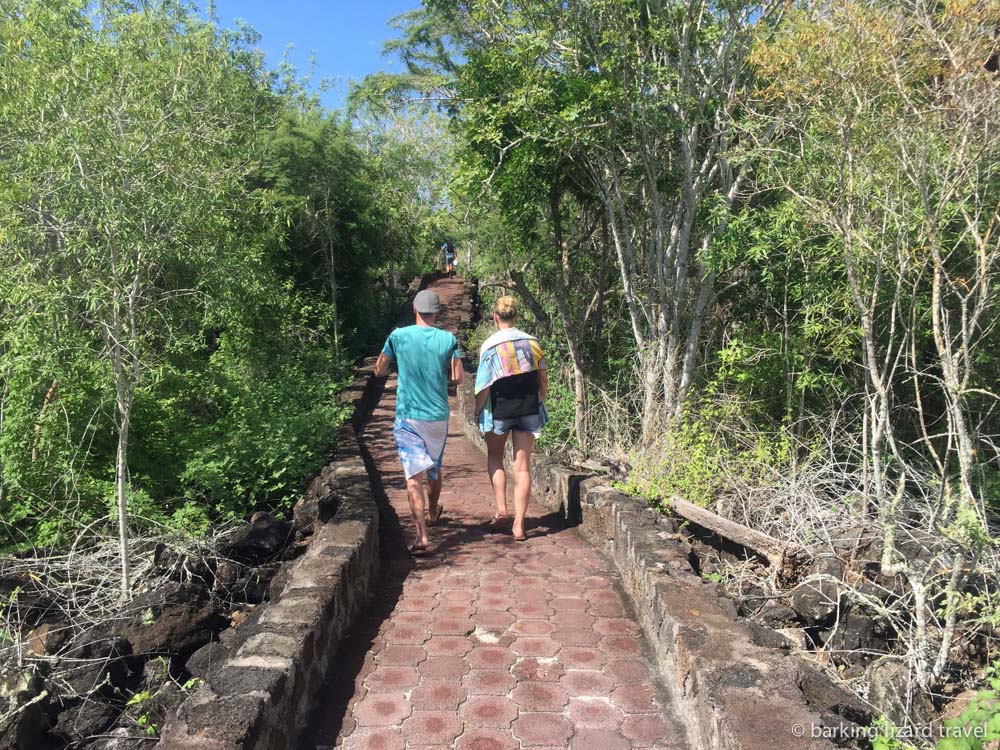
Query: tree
127, 181
882, 127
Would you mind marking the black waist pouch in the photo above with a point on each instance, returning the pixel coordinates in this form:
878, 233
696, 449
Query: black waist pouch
515, 396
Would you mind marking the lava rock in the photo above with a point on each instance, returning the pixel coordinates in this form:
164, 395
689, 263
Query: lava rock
317, 506
21, 725
97, 660
179, 567
776, 616
119, 738
207, 659
856, 630
816, 601
176, 618
896, 693
227, 573
258, 541
47, 638
766, 637
26, 599
84, 718
253, 588
820, 692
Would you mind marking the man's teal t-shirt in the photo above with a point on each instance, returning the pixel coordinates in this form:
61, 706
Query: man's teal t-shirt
423, 357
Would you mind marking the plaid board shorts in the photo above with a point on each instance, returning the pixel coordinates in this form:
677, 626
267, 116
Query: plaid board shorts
420, 445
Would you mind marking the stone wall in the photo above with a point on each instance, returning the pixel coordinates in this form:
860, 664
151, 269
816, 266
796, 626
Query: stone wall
262, 676
735, 684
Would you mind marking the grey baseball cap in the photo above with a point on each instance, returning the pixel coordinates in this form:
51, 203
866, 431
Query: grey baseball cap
427, 302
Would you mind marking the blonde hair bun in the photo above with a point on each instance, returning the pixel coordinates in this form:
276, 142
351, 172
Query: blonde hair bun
505, 308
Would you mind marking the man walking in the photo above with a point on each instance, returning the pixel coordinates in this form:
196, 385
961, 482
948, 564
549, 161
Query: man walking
425, 357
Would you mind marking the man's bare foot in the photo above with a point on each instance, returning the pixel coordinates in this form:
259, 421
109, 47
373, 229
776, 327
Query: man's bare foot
418, 548
498, 519
434, 515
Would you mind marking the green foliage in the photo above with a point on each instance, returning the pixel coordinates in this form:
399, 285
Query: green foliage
190, 235
559, 431
885, 736
700, 457
979, 723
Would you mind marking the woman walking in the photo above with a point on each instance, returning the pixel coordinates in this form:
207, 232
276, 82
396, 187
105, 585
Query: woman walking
511, 385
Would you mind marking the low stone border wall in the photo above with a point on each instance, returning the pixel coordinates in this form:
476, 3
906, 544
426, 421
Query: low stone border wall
734, 684
267, 671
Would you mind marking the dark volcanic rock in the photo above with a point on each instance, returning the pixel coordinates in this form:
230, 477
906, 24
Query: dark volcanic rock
207, 659
84, 718
21, 724
176, 618
895, 692
258, 541
48, 638
96, 660
820, 692
776, 615
317, 506
253, 588
855, 630
766, 637
816, 601
227, 573
118, 739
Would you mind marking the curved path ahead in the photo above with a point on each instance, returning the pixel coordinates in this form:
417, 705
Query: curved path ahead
487, 644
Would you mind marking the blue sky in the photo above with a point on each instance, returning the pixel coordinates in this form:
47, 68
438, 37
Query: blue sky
346, 36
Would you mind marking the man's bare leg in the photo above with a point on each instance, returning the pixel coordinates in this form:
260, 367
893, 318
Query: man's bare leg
433, 497
415, 494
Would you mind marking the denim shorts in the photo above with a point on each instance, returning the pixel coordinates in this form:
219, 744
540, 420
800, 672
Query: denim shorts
531, 423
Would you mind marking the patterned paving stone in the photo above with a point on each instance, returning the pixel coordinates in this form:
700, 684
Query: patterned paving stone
635, 698
382, 709
431, 728
486, 739
598, 739
595, 713
582, 682
539, 696
536, 627
490, 657
443, 667
644, 729
543, 670
581, 657
401, 656
535, 646
437, 694
486, 644
488, 682
542, 729
448, 645
391, 679
489, 711
385, 738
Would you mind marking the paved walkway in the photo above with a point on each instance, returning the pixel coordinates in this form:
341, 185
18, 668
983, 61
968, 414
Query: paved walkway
487, 644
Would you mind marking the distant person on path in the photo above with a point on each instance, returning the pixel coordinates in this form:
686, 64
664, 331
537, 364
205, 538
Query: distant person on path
425, 357
511, 385
449, 257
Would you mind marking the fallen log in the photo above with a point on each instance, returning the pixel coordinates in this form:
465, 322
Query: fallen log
782, 556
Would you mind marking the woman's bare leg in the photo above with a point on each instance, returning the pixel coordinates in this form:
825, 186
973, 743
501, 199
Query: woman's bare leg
523, 442
494, 467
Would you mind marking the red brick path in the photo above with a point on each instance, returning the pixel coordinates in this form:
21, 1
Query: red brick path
487, 644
